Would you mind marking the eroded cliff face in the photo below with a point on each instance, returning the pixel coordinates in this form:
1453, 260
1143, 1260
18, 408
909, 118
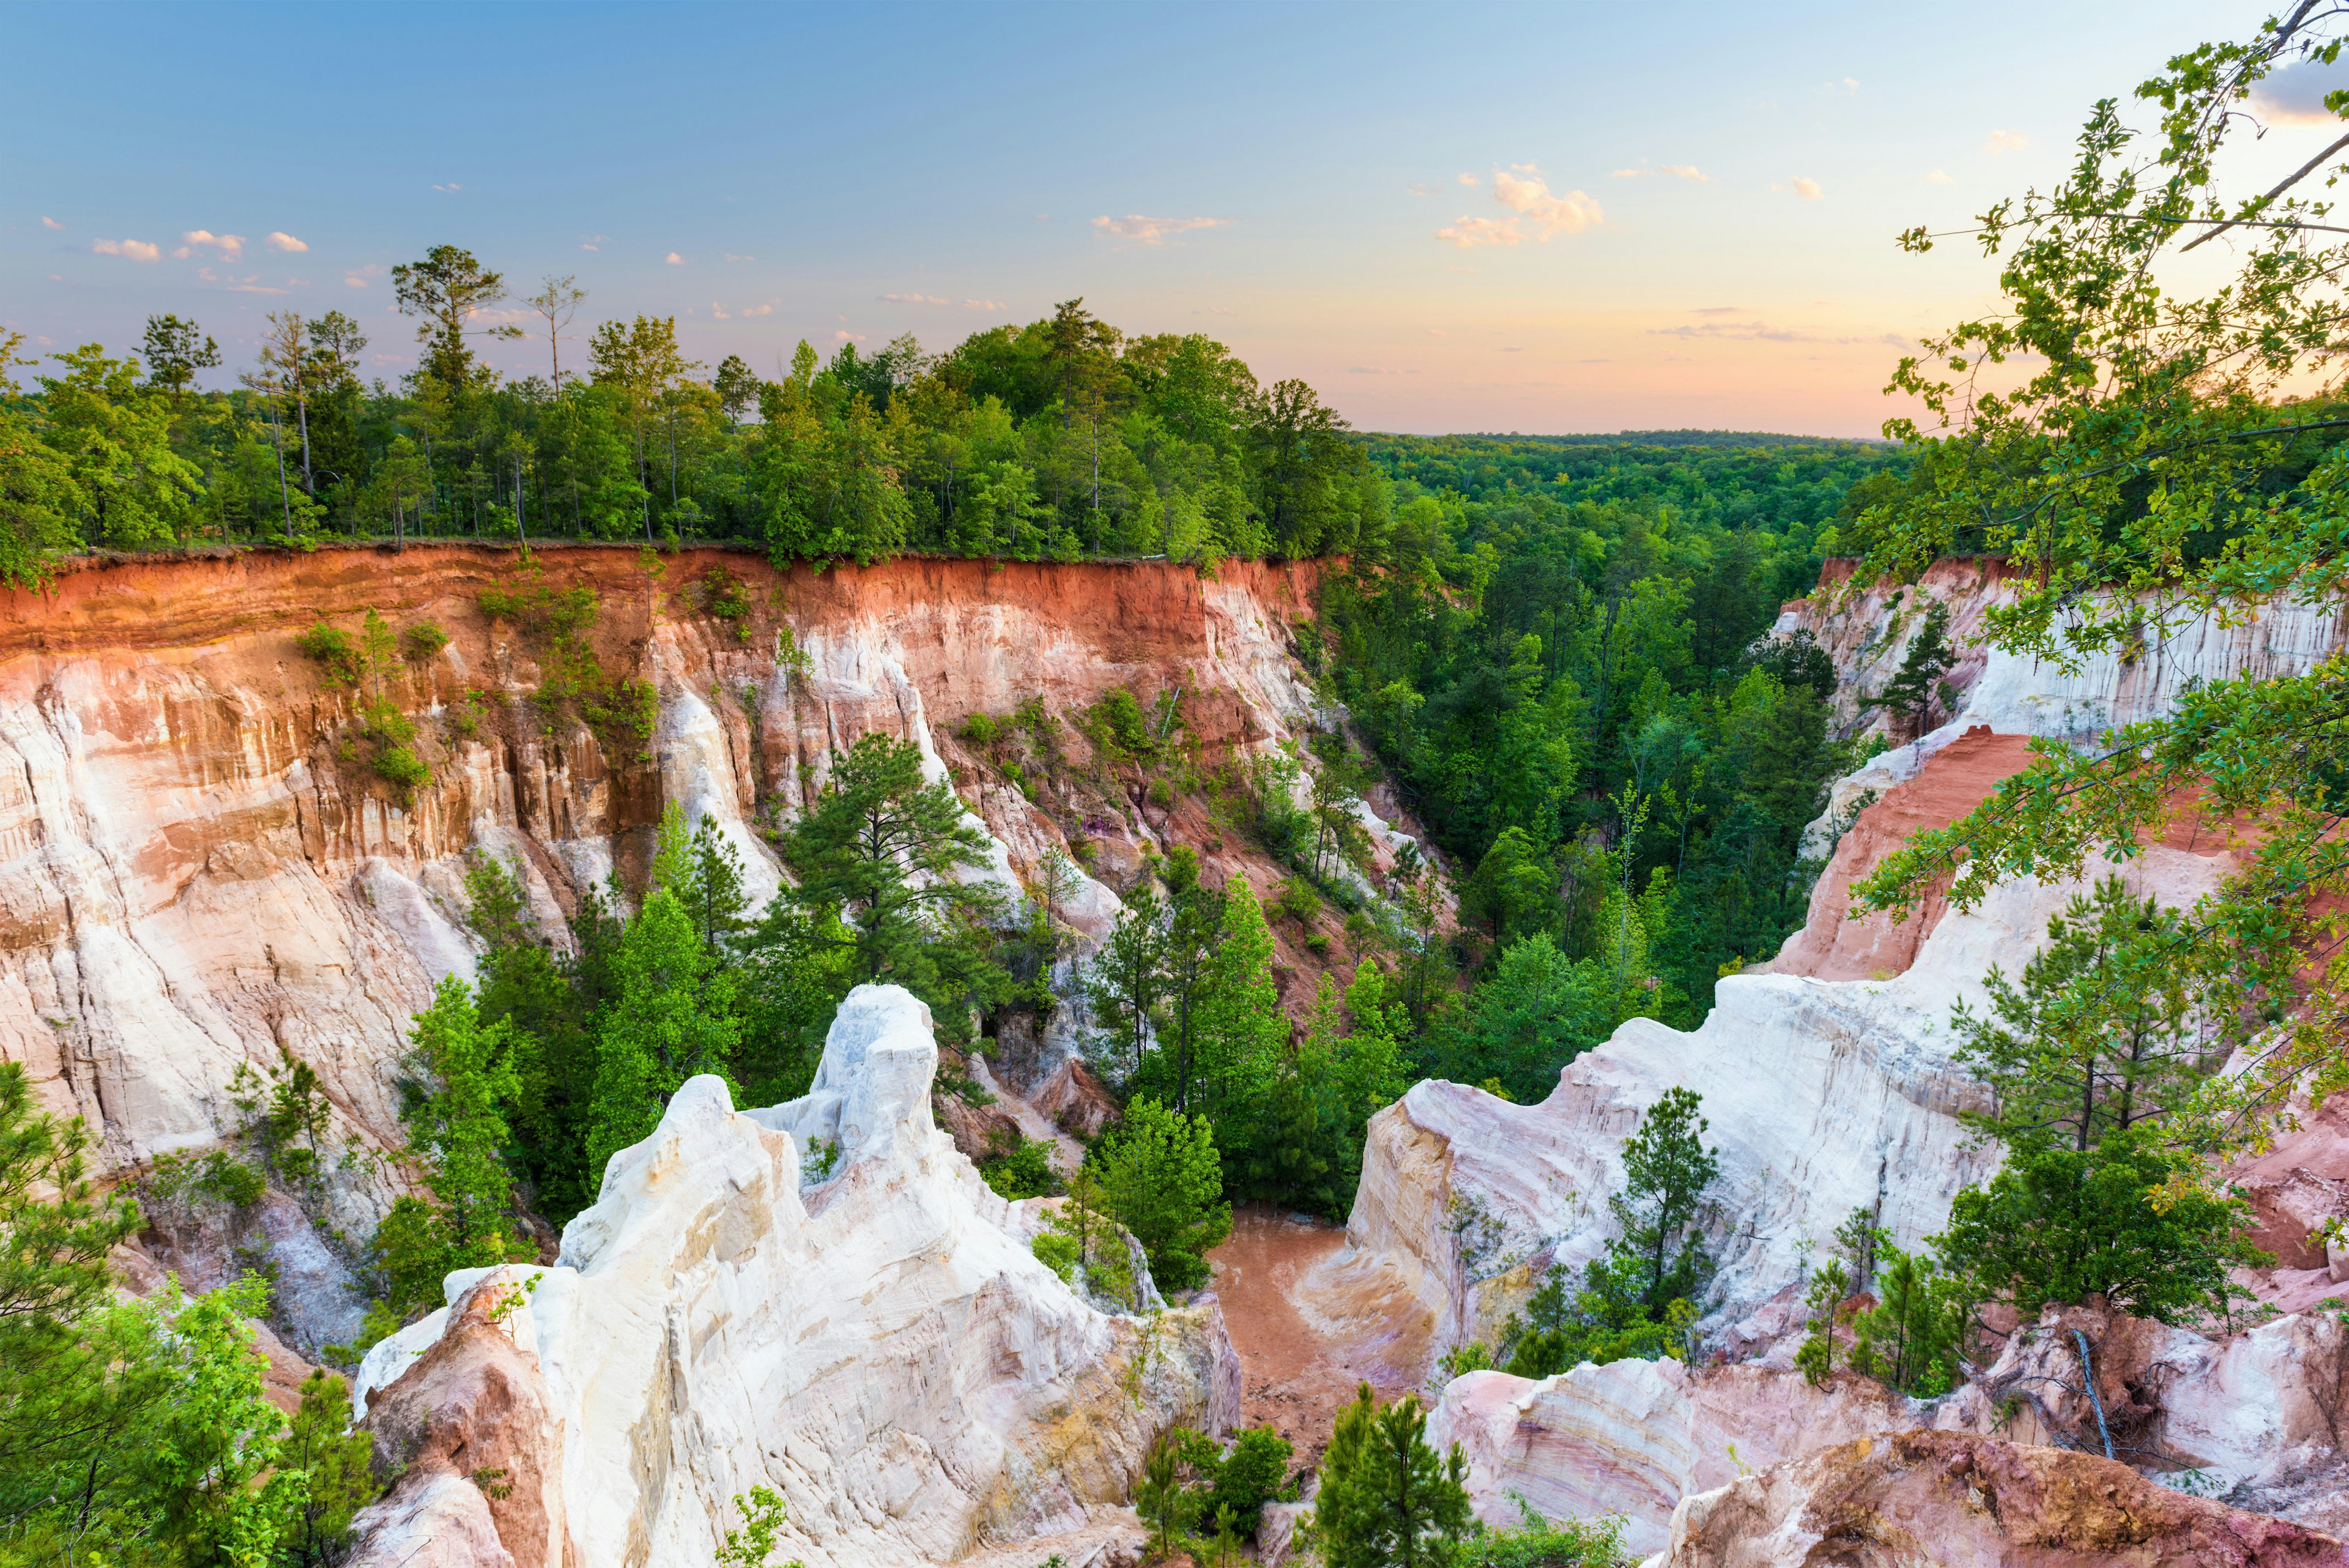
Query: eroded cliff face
1829, 1086
200, 872
879, 1345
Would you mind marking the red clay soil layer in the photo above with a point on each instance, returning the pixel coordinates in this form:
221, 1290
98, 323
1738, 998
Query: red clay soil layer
1302, 1354
1953, 781
1138, 609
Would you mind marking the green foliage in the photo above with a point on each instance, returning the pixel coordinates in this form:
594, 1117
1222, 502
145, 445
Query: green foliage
1917, 686
2163, 453
1023, 1168
2101, 1034
336, 1462
878, 850
1911, 1339
454, 1105
1165, 1504
335, 651
672, 1017
422, 642
1637, 1299
2058, 1225
1161, 1178
1252, 1473
1084, 1244
763, 1520
145, 1434
1538, 1542
1386, 1500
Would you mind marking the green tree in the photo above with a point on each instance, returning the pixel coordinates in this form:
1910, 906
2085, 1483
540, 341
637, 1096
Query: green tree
885, 850
2119, 471
2101, 1034
174, 351
1162, 1178
1666, 1172
1241, 1031
1911, 1338
334, 1460
445, 292
2058, 1225
1918, 685
673, 1017
1387, 1499
454, 1105
115, 437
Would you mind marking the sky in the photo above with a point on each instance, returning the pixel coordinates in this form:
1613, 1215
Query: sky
1451, 217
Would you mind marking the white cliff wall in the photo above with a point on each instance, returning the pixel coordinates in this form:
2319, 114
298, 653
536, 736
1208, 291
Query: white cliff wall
879, 1346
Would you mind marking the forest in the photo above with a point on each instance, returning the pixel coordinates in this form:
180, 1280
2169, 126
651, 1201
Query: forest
1059, 440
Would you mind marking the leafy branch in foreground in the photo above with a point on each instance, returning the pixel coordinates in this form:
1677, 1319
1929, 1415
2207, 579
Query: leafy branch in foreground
2141, 453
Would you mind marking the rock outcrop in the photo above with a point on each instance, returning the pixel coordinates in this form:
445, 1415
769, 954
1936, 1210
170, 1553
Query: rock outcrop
879, 1346
1958, 1501
199, 873
2250, 1420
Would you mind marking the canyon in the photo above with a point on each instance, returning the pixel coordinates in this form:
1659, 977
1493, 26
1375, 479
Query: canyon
198, 874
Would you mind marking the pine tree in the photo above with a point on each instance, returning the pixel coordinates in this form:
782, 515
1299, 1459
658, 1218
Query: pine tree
1123, 987
1242, 1033
1911, 692
2101, 1034
457, 1124
1162, 1178
1387, 1500
674, 1018
703, 871
885, 850
1666, 1170
336, 1459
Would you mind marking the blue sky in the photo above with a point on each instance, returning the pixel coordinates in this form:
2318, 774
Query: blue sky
1563, 217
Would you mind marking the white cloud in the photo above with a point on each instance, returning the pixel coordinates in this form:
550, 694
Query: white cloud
1677, 171
1521, 189
1808, 189
983, 304
1717, 310
355, 280
759, 310
718, 310
1935, 177
584, 247
1467, 233
231, 247
844, 336
2006, 141
1470, 180
281, 240
915, 299
1437, 332
1417, 188
48, 223
2296, 95
1136, 229
1512, 350
732, 257
136, 250
675, 259
453, 185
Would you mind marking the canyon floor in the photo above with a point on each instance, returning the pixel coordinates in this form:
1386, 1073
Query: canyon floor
1310, 1326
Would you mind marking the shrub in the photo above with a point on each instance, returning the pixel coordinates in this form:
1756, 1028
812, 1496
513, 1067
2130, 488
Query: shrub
1022, 1168
420, 642
400, 767
335, 651
980, 730
1297, 900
